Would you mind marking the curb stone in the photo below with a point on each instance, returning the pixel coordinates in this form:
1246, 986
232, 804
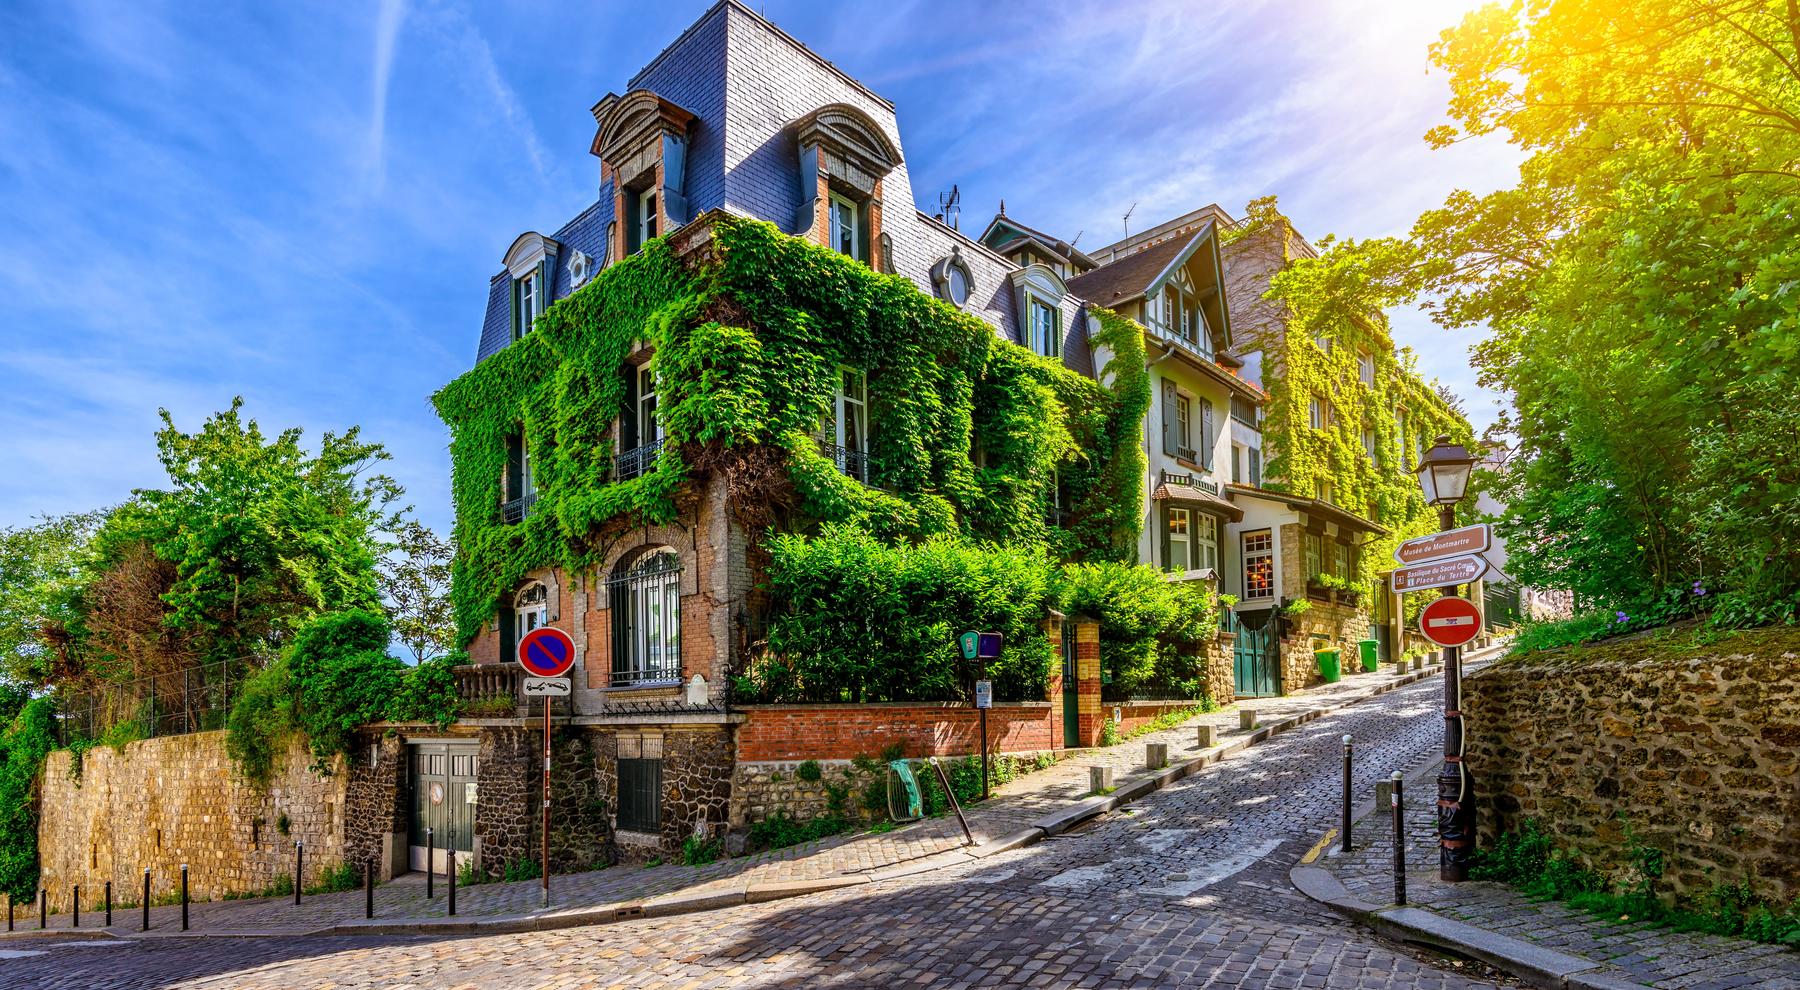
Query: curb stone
668, 905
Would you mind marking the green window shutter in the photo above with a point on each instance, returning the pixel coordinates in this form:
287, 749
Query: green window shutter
1162, 525
512, 291
507, 635
515, 467
1206, 434
1169, 426
546, 270
628, 425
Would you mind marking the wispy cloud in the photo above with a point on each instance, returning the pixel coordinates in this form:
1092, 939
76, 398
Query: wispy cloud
387, 34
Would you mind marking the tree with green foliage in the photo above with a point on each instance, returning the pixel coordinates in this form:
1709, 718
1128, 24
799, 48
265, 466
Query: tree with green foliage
1642, 284
42, 567
25, 739
415, 587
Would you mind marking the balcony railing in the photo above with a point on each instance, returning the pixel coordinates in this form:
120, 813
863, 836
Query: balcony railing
489, 689
1172, 478
854, 463
515, 510
636, 461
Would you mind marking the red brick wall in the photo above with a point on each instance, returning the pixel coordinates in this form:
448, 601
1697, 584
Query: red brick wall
843, 732
1137, 714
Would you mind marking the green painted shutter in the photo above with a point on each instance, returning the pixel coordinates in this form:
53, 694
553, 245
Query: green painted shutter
513, 292
1169, 425
1162, 525
1206, 434
515, 464
507, 646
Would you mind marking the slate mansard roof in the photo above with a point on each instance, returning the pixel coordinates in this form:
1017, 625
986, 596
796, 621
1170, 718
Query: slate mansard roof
746, 161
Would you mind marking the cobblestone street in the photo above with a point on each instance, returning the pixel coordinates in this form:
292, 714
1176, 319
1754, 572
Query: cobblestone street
1186, 887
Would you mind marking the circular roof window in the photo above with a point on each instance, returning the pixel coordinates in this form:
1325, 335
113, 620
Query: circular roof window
952, 279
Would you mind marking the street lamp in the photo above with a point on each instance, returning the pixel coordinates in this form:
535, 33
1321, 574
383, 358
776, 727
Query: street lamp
1444, 477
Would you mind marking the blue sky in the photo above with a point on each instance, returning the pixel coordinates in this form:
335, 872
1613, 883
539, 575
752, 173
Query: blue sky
302, 203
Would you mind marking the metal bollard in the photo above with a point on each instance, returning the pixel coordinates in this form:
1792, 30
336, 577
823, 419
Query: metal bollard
1399, 805
184, 897
75, 918
299, 869
43, 909
1346, 811
145, 903
109, 903
450, 871
9, 913
430, 863
369, 889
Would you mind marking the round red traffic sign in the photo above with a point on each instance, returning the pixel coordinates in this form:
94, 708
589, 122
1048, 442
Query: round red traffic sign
547, 652
1450, 621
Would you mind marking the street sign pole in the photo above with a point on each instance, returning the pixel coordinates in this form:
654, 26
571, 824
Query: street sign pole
1456, 785
546, 832
984, 745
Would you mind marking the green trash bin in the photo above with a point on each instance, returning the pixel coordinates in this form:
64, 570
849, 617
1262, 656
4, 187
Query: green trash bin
1330, 665
1371, 655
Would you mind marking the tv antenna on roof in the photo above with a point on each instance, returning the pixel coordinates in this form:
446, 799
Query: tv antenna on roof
950, 207
1128, 214
1077, 239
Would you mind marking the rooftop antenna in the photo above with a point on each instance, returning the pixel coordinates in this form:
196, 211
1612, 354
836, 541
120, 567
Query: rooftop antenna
1077, 239
950, 207
1128, 214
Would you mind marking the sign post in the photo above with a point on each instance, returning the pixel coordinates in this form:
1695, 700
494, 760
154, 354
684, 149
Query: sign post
546, 654
1451, 622
982, 647
1445, 573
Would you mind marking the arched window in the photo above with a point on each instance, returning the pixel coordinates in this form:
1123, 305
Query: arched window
531, 610
645, 596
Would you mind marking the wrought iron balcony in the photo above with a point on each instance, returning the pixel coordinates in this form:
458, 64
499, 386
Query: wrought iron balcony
515, 510
854, 463
636, 461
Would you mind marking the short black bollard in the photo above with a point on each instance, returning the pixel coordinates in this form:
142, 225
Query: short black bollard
75, 919
430, 863
1399, 841
369, 889
1346, 821
450, 871
184, 898
108, 889
145, 903
299, 868
43, 909
9, 913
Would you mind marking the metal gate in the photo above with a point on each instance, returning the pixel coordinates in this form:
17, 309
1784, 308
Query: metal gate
442, 783
1071, 690
1256, 653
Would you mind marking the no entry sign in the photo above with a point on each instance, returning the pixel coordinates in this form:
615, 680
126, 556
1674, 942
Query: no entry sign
547, 652
1450, 621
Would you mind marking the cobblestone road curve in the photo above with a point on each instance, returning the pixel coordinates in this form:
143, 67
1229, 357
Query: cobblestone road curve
1185, 888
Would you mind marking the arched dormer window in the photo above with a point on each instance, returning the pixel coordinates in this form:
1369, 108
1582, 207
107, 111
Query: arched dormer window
531, 610
531, 267
641, 142
844, 155
951, 278
644, 594
1038, 294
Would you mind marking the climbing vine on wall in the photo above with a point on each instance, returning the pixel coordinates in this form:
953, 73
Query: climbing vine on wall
1334, 316
747, 338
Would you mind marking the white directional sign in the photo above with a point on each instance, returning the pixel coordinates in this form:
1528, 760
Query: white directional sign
1449, 543
1440, 573
546, 687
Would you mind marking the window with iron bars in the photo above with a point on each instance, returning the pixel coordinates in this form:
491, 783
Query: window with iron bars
645, 598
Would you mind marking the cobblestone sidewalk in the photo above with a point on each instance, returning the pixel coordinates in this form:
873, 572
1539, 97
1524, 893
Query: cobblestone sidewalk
921, 845
1655, 957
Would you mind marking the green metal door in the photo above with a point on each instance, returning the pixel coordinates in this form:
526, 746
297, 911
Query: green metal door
1071, 699
1256, 653
442, 784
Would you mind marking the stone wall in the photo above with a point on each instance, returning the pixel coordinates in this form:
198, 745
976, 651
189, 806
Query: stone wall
163, 802
375, 810
1697, 756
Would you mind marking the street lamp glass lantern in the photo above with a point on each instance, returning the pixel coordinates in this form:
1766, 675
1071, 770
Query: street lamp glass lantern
1444, 472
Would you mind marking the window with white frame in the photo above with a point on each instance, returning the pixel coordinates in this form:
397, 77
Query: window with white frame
1046, 328
1365, 368
1258, 553
528, 301
1326, 491
644, 219
1206, 542
531, 610
1181, 542
1346, 562
1322, 342
649, 425
1370, 447
1316, 416
846, 227
1314, 553
1183, 426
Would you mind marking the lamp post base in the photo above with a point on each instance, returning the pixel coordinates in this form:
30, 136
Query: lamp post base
1456, 823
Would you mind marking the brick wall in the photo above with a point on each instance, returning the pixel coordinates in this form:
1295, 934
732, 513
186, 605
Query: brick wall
1699, 757
842, 732
163, 802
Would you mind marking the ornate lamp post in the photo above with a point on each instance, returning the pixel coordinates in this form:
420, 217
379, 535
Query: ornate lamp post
1444, 477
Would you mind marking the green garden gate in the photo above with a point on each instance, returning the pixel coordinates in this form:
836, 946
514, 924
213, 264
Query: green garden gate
1256, 654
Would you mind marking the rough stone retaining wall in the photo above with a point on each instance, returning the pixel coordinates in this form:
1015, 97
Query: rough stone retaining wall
173, 800
1699, 757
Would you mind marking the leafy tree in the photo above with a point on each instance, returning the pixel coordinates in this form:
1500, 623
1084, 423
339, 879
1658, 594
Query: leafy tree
1642, 285
415, 584
41, 568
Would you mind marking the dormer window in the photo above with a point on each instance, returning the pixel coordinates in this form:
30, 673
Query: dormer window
1046, 328
530, 262
951, 279
643, 223
1039, 294
846, 227
642, 145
